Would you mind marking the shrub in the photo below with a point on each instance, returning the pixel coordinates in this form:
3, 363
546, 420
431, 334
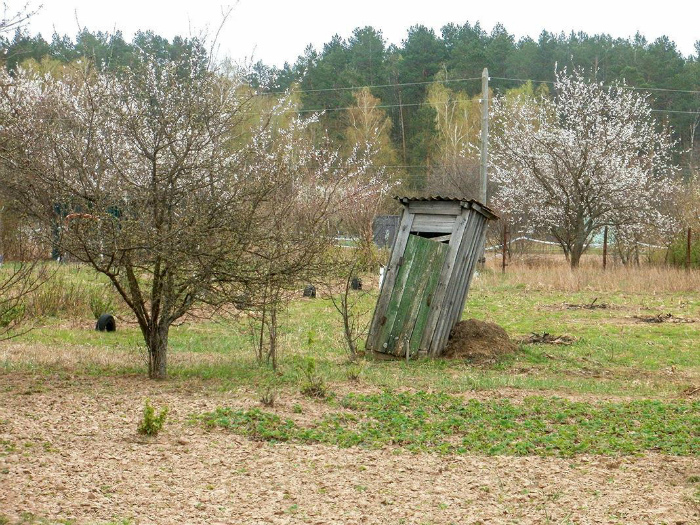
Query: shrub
268, 396
151, 424
101, 301
57, 296
677, 251
11, 315
354, 371
313, 384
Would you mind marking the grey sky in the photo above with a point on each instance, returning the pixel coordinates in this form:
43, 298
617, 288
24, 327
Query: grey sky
278, 31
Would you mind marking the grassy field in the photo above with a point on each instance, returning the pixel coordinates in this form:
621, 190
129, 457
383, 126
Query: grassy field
615, 352
627, 386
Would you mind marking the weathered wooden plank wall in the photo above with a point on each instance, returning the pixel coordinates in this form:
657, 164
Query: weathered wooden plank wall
427, 280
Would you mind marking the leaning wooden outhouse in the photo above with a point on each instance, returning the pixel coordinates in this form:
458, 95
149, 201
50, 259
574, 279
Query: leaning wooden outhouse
435, 251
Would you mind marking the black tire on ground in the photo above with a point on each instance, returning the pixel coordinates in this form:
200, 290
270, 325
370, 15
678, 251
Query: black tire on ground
106, 323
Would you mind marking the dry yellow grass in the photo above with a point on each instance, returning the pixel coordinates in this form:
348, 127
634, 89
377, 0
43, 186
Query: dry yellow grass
554, 273
81, 357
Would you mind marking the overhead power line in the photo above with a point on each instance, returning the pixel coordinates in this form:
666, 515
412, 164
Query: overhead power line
382, 106
675, 111
415, 104
454, 80
446, 81
371, 86
635, 88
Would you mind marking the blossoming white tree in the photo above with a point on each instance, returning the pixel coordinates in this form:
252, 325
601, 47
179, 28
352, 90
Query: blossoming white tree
588, 157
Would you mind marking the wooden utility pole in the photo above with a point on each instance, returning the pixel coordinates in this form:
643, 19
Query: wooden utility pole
605, 248
484, 133
403, 130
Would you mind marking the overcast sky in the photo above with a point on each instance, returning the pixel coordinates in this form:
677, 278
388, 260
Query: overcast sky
276, 31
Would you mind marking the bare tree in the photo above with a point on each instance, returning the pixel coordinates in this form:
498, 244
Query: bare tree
368, 134
145, 175
592, 156
171, 180
342, 266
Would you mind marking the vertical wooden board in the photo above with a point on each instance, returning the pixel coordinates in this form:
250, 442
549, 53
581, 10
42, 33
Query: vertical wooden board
416, 295
471, 256
479, 250
437, 260
407, 294
468, 257
441, 288
445, 324
395, 296
392, 269
447, 298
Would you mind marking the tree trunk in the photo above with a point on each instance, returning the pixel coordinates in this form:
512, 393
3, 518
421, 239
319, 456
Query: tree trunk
576, 252
272, 333
347, 321
158, 352
579, 245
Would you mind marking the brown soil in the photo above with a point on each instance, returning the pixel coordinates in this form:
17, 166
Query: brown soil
69, 452
478, 341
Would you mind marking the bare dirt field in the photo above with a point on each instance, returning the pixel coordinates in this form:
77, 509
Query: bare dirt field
70, 453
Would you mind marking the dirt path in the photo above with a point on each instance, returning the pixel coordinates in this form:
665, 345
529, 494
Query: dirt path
69, 451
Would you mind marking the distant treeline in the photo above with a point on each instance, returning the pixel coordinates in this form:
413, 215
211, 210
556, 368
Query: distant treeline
400, 76
108, 50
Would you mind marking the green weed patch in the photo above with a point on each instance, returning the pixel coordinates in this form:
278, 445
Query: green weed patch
424, 422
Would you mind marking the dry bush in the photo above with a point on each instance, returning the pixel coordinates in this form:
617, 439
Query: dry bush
72, 292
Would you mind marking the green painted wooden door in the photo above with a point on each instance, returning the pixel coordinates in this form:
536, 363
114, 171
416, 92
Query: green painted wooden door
406, 315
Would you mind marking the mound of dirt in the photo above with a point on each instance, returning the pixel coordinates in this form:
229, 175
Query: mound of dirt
478, 341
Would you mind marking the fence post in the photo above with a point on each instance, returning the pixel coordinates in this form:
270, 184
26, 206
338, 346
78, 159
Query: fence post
687, 250
605, 248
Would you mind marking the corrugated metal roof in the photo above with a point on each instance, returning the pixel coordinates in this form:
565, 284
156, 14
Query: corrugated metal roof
432, 198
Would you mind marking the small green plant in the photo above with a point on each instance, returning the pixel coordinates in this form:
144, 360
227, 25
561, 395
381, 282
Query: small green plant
313, 384
310, 338
253, 423
268, 396
11, 315
152, 424
354, 371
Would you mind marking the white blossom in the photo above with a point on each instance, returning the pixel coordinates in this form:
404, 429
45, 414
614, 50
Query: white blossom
590, 156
